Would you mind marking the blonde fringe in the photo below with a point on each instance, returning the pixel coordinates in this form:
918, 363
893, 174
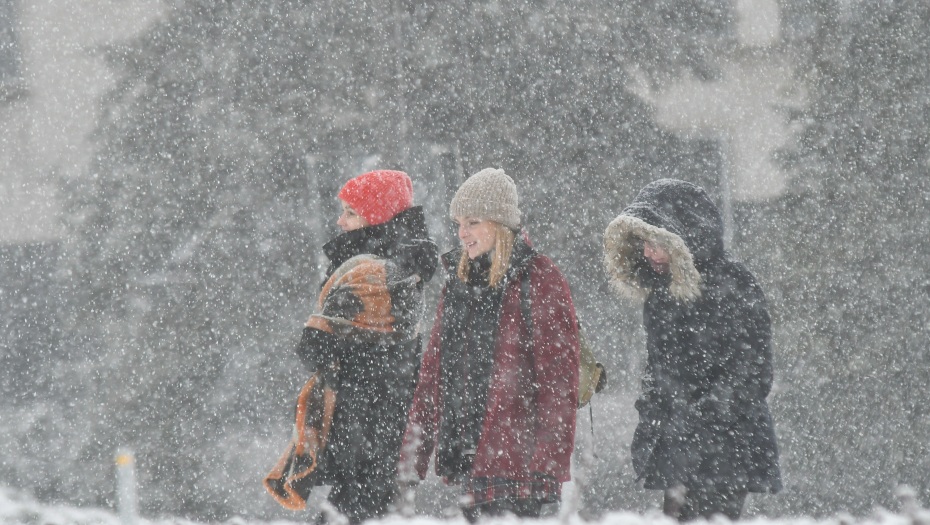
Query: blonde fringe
500, 258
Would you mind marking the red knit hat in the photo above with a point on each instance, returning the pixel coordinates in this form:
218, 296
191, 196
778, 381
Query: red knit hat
378, 195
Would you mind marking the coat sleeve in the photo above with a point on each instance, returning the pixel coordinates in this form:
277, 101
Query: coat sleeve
423, 420
555, 349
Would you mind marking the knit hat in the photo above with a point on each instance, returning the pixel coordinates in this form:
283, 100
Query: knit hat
378, 195
489, 194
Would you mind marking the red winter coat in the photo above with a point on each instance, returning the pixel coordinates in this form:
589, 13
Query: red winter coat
529, 421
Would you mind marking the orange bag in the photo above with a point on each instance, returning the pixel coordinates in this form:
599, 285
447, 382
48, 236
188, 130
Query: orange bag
289, 482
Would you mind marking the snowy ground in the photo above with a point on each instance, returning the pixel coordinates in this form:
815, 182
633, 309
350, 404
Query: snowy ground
16, 509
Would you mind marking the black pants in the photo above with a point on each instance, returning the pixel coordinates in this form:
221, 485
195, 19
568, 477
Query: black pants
703, 502
362, 500
522, 508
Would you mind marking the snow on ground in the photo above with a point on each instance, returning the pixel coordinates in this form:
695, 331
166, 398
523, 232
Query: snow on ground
18, 509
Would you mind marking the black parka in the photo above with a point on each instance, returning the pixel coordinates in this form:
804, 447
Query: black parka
704, 420
375, 381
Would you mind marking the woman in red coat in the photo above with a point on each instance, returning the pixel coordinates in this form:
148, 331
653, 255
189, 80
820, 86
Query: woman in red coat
497, 393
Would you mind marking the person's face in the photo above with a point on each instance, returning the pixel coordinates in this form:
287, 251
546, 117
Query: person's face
657, 257
477, 235
350, 219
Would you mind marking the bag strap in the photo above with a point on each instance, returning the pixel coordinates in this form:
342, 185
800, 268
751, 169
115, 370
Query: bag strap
526, 302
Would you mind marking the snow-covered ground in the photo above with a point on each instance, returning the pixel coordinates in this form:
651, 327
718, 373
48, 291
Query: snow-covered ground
18, 509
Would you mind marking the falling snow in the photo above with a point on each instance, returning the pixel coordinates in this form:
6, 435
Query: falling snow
168, 175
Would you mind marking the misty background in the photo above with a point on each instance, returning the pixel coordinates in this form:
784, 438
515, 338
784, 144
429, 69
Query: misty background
168, 173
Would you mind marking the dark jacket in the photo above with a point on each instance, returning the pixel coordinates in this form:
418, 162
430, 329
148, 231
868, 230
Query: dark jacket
704, 420
489, 387
377, 362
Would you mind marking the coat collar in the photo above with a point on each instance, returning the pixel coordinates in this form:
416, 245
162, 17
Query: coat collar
377, 239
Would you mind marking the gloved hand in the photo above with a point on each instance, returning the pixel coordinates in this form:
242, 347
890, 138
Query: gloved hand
318, 349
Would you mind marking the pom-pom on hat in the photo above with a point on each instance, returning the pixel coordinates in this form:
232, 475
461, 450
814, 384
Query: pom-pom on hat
489, 194
378, 195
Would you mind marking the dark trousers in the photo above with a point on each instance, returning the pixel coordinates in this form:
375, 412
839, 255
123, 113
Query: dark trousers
362, 500
522, 508
703, 502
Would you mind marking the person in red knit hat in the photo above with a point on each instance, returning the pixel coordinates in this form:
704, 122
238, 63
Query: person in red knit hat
372, 367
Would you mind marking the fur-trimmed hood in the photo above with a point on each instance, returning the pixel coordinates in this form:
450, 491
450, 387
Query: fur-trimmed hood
675, 215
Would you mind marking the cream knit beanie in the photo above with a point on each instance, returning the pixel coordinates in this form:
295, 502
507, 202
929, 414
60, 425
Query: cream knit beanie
489, 194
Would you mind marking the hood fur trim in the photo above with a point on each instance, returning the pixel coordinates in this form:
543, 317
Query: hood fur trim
622, 249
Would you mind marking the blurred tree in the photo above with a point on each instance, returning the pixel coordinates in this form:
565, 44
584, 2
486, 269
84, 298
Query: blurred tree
846, 254
191, 254
538, 88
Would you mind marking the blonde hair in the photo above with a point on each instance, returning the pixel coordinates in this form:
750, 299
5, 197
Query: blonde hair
500, 256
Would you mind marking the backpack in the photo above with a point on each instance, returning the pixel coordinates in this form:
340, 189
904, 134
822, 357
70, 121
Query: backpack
592, 377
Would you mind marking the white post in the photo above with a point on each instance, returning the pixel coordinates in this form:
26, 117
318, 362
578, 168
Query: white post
126, 487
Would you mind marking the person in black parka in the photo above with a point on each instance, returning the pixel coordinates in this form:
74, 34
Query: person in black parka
705, 434
371, 338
